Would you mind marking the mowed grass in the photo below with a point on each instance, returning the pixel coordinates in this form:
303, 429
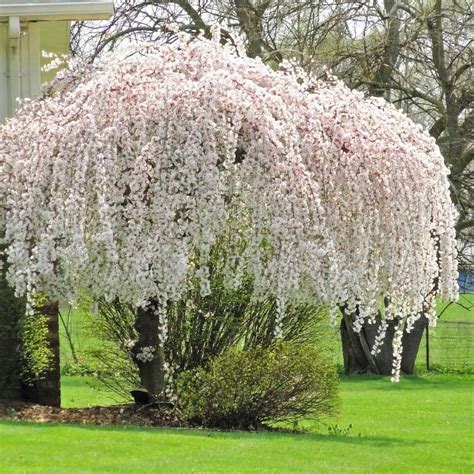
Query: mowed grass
79, 392
422, 425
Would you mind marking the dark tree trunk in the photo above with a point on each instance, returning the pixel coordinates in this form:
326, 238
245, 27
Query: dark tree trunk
355, 361
411, 345
356, 347
152, 372
12, 310
47, 390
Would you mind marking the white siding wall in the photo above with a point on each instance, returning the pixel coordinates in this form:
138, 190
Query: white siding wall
23, 78
3, 70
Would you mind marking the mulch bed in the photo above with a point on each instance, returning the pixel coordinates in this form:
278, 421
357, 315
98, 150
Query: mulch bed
144, 416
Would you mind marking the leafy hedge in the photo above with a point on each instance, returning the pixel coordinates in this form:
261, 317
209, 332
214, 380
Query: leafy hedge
246, 389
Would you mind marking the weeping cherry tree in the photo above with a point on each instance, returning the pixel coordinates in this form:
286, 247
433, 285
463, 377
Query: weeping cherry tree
119, 181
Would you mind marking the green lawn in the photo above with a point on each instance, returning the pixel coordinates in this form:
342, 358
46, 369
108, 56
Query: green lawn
422, 425
81, 392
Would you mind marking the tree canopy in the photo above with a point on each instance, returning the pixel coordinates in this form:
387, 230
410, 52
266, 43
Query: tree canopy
121, 178
417, 55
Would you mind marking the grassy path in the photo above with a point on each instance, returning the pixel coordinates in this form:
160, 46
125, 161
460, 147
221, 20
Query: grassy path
421, 425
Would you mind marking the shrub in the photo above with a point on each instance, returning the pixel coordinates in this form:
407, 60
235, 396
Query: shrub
245, 389
35, 352
199, 329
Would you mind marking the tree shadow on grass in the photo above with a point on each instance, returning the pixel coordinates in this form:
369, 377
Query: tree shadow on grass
356, 440
409, 382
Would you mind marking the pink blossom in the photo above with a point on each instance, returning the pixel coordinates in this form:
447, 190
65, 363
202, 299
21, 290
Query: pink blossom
116, 180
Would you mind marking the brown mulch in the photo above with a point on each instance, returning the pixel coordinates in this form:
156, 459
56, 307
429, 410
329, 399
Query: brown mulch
144, 416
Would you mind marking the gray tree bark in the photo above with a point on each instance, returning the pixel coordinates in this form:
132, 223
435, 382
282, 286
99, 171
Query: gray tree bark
356, 348
11, 311
152, 372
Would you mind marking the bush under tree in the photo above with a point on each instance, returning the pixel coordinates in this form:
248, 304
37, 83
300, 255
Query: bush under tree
246, 389
199, 329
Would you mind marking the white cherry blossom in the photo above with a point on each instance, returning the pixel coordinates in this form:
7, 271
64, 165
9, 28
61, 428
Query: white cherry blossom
120, 180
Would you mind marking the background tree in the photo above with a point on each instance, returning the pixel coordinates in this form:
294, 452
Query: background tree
418, 55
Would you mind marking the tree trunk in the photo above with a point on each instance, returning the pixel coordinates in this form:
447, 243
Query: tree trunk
411, 345
47, 390
356, 347
12, 310
151, 370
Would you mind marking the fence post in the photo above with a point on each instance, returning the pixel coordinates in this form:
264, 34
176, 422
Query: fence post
427, 348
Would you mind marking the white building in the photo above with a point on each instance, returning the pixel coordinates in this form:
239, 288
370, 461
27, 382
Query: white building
28, 27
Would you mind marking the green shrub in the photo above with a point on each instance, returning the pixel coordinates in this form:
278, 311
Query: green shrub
35, 352
199, 329
244, 389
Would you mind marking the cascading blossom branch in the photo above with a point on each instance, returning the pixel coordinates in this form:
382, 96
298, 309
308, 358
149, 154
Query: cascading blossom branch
385, 188
121, 180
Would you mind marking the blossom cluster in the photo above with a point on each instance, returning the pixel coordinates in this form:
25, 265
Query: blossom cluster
121, 180
147, 354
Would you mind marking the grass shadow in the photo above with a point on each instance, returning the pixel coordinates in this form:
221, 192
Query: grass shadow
409, 382
357, 440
